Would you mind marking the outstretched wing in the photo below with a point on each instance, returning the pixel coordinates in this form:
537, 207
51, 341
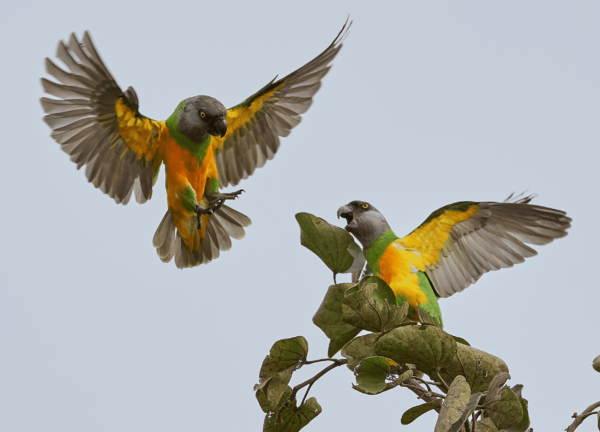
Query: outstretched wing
99, 125
255, 125
462, 241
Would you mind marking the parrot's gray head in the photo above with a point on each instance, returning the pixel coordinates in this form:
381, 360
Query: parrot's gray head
364, 221
202, 116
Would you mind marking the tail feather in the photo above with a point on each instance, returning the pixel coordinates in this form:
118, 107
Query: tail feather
233, 222
222, 226
224, 239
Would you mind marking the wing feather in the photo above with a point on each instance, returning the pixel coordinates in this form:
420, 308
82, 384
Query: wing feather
255, 125
99, 125
462, 241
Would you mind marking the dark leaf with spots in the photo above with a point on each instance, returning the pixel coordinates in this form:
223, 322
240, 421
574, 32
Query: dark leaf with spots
292, 419
478, 367
329, 319
414, 413
525, 422
428, 347
334, 245
265, 405
359, 349
505, 411
285, 355
454, 405
372, 306
372, 374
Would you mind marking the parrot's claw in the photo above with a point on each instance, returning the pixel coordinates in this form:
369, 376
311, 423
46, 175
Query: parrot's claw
202, 211
216, 201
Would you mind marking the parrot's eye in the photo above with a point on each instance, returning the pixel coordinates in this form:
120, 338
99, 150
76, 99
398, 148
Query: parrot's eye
365, 206
202, 114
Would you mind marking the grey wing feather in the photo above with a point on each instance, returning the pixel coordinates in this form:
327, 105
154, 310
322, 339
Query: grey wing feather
495, 237
225, 224
84, 122
252, 145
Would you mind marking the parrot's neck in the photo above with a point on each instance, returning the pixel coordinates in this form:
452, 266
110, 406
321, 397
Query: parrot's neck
197, 146
375, 250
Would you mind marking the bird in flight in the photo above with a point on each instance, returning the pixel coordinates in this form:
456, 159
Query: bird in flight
203, 145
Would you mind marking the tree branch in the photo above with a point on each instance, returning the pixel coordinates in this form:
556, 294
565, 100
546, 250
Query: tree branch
307, 362
413, 385
581, 417
310, 382
442, 380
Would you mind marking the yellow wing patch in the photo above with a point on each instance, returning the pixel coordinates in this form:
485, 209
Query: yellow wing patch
430, 238
395, 269
142, 135
240, 116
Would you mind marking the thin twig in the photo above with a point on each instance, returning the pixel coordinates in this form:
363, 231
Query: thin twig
421, 393
426, 383
307, 362
310, 382
581, 417
467, 426
442, 380
306, 394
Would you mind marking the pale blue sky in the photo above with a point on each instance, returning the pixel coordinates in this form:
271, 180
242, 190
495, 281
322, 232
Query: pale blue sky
428, 103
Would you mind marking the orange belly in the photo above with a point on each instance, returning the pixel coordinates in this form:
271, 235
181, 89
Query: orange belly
184, 171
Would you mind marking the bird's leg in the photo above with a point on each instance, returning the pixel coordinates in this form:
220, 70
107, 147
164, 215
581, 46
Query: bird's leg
217, 200
202, 211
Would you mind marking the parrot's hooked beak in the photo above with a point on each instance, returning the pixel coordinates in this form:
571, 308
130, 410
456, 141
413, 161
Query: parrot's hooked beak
347, 213
219, 126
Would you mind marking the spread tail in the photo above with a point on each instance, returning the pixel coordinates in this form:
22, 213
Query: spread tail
222, 226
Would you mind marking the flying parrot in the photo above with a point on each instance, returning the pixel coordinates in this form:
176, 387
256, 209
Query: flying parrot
203, 145
453, 248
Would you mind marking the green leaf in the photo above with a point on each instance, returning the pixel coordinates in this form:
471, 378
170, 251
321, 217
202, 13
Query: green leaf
428, 347
359, 349
493, 391
464, 418
292, 419
415, 412
486, 425
329, 319
525, 421
506, 410
394, 370
454, 405
334, 245
461, 340
277, 386
426, 318
372, 373
265, 405
372, 306
285, 355
478, 367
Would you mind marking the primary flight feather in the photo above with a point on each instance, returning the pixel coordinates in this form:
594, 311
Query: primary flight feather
203, 145
453, 248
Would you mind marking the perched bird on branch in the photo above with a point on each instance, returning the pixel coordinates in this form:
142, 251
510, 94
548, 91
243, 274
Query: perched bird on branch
203, 145
453, 248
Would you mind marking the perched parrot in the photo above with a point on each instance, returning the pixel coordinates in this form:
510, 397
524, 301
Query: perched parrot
203, 145
453, 248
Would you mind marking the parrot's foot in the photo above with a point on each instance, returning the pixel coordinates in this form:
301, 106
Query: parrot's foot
216, 201
202, 211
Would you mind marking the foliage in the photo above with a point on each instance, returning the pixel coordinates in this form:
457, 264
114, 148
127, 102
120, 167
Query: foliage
392, 351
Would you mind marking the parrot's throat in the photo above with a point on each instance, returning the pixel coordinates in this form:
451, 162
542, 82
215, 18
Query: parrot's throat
375, 250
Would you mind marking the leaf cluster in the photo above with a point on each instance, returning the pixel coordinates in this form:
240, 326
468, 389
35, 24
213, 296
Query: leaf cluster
385, 349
